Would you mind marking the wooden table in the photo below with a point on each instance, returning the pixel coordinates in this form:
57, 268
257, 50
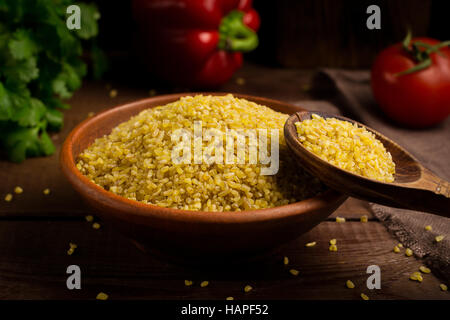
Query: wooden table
35, 231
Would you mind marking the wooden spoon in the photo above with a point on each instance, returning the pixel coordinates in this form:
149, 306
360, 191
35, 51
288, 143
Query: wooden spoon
414, 187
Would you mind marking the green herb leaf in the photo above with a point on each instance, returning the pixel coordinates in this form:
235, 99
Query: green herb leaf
89, 17
54, 119
41, 64
22, 45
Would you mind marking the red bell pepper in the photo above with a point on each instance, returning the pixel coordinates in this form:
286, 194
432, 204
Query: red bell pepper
196, 43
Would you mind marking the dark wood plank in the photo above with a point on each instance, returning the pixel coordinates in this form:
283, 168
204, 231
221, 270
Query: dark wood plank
353, 209
34, 261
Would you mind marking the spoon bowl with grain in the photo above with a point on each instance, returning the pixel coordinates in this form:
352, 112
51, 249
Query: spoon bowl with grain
413, 187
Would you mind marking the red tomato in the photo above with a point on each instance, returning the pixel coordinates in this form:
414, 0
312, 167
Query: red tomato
419, 99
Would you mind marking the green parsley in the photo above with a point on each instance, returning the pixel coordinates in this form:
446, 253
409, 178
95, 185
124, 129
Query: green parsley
40, 64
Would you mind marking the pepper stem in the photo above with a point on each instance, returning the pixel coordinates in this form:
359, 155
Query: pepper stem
235, 35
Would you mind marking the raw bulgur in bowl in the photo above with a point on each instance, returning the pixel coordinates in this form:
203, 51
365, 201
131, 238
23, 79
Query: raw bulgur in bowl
195, 235
134, 161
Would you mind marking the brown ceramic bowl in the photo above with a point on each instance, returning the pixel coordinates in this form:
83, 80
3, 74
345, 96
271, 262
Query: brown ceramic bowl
190, 236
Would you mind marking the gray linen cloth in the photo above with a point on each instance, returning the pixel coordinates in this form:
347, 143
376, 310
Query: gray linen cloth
353, 98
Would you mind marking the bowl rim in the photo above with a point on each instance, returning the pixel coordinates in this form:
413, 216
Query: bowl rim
94, 192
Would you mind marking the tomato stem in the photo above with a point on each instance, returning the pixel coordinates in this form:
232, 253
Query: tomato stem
422, 57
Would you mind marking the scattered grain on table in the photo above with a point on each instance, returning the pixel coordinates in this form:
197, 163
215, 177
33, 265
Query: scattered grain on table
416, 276
8, 197
113, 93
294, 272
72, 247
248, 288
333, 248
439, 238
96, 225
443, 287
428, 228
340, 219
364, 219
89, 218
311, 244
102, 296
230, 298
240, 81
364, 296
18, 190
204, 284
350, 284
188, 283
424, 269
46, 191
409, 252
396, 249
333, 241
285, 261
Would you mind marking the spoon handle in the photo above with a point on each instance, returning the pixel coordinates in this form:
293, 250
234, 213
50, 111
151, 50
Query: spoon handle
434, 183
430, 193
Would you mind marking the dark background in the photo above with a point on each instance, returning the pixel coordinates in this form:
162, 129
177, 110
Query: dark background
303, 33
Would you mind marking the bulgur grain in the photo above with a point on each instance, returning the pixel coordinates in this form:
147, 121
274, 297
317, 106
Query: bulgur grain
350, 284
443, 287
134, 160
364, 296
333, 248
428, 228
310, 244
240, 81
72, 247
416, 276
347, 146
46, 191
96, 225
439, 238
424, 269
102, 296
333, 241
188, 283
396, 249
230, 298
364, 219
89, 218
113, 93
204, 284
408, 252
294, 272
8, 197
340, 219
248, 288
285, 261
18, 190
